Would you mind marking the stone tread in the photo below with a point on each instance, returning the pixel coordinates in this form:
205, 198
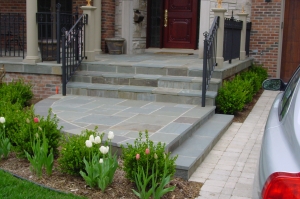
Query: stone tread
142, 89
193, 151
144, 76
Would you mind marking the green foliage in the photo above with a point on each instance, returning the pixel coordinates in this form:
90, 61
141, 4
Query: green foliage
23, 127
234, 94
5, 144
16, 92
100, 172
40, 158
130, 165
74, 150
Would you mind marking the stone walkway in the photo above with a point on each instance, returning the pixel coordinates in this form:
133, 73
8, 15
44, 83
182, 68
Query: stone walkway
228, 170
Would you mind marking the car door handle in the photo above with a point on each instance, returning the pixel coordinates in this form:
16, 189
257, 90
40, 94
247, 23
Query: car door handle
166, 18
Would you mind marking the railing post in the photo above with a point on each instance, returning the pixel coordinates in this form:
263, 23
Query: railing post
63, 68
220, 36
243, 18
204, 71
58, 6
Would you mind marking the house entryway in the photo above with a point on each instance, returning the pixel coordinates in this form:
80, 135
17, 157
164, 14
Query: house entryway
173, 24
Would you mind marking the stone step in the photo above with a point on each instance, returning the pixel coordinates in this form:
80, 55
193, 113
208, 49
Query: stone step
145, 93
178, 82
193, 151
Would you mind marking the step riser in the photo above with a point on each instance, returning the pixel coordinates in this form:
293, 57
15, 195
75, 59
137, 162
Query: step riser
145, 82
147, 70
146, 96
178, 141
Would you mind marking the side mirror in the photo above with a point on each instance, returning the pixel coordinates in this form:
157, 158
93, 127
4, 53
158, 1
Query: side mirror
274, 85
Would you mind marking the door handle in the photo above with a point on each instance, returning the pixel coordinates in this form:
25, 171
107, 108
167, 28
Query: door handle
166, 18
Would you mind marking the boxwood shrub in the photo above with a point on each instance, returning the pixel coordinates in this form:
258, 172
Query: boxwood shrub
236, 93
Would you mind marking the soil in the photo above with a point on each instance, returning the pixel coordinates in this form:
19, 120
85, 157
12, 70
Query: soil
120, 188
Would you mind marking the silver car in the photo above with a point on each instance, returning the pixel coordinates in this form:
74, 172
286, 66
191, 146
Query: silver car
278, 172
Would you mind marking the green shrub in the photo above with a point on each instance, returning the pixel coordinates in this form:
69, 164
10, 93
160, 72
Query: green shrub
73, 150
129, 157
21, 127
231, 96
16, 92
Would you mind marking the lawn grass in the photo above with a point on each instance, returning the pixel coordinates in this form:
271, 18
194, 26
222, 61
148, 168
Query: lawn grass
15, 188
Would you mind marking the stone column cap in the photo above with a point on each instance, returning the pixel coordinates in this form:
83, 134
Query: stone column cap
88, 7
242, 14
218, 9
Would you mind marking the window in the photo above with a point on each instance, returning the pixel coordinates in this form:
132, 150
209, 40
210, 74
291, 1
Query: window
288, 93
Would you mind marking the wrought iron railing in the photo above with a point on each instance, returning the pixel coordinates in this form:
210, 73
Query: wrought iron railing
232, 39
50, 25
12, 34
73, 50
209, 56
248, 31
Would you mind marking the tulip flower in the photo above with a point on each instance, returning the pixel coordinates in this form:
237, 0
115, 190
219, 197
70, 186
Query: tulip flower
36, 120
88, 143
92, 138
147, 151
101, 161
137, 157
110, 135
97, 140
2, 120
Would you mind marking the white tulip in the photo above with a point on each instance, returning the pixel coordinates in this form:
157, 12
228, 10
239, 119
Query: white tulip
92, 139
88, 143
102, 149
97, 140
101, 161
110, 135
2, 120
107, 149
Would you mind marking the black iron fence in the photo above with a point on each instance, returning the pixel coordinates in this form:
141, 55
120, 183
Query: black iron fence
50, 25
73, 50
232, 39
209, 56
248, 31
12, 34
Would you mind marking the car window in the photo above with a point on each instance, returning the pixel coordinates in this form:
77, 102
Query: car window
288, 93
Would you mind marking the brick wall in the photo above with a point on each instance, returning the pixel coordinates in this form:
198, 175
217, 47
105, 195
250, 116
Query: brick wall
108, 22
15, 6
264, 39
43, 85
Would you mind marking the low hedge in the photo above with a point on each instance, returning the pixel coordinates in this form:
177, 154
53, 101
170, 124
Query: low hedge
236, 93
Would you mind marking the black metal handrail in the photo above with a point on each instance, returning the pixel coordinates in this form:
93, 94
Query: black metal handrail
12, 34
73, 50
232, 38
50, 25
209, 56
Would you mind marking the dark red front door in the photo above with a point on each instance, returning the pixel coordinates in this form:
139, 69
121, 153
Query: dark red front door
180, 24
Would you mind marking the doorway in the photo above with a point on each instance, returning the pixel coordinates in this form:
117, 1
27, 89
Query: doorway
173, 24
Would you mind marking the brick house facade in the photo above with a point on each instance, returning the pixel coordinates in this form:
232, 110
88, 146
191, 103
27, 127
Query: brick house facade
266, 46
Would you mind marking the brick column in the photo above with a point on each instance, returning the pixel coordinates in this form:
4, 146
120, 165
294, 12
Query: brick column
32, 33
220, 37
243, 18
